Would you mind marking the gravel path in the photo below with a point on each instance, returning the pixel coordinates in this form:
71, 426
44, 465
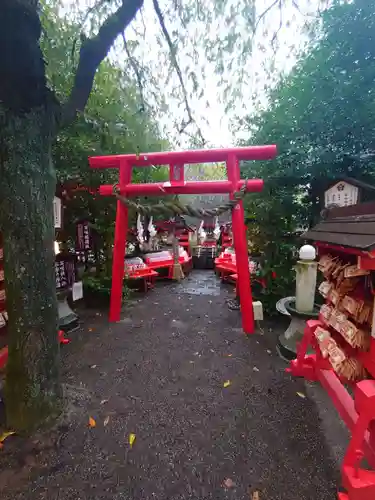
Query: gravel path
160, 374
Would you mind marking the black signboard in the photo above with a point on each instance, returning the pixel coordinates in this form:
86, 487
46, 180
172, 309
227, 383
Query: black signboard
84, 239
65, 271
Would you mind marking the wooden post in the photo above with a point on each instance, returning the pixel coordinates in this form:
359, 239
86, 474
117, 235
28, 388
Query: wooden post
177, 273
240, 247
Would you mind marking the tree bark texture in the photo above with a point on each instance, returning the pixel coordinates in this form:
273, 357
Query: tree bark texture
28, 109
27, 188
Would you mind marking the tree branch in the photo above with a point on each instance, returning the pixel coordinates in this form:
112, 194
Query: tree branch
276, 34
177, 68
93, 51
134, 65
88, 13
263, 14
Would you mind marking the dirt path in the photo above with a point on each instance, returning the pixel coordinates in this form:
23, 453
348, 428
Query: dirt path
159, 374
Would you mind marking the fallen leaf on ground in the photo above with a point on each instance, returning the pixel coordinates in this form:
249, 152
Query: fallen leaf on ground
255, 495
255, 369
301, 395
228, 483
229, 355
131, 439
104, 401
227, 383
4, 436
92, 422
90, 329
106, 421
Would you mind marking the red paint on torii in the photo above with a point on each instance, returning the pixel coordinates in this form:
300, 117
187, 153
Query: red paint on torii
177, 185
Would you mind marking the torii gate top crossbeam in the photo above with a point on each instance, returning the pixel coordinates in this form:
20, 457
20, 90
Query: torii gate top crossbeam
180, 157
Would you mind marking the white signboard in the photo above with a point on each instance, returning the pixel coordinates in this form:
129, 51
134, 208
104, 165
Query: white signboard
57, 213
77, 291
341, 194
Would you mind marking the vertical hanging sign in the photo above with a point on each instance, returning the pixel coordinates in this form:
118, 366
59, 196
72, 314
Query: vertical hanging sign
57, 212
83, 241
65, 272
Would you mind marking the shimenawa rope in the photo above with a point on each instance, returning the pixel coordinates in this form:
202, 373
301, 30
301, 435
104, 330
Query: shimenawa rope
174, 207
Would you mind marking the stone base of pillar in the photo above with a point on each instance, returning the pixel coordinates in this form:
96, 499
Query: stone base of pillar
68, 319
289, 340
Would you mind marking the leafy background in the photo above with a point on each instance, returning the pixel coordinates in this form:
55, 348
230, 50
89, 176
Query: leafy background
320, 115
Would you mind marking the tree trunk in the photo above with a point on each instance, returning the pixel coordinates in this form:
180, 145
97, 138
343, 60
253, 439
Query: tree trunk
27, 188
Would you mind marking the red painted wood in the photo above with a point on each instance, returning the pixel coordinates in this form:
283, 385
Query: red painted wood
3, 357
118, 265
203, 187
367, 263
177, 174
191, 156
240, 247
339, 249
358, 414
140, 273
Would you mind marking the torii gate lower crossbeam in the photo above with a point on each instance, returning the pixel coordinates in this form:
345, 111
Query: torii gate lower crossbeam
177, 185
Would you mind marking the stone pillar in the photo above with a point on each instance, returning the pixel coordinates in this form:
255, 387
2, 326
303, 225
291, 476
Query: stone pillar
306, 273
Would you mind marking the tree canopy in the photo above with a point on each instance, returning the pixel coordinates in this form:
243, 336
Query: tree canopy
180, 66
321, 116
55, 105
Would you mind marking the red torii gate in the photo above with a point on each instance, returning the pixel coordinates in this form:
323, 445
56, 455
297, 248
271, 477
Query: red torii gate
177, 185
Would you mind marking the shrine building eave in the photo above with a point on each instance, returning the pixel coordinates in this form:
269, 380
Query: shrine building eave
355, 231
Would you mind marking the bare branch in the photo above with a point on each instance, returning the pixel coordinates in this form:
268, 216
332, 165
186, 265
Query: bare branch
134, 65
296, 6
143, 23
93, 51
276, 34
263, 14
177, 68
79, 31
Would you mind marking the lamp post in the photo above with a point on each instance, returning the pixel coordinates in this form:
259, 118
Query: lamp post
302, 306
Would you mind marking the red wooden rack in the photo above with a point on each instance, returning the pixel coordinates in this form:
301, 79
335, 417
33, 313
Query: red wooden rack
343, 339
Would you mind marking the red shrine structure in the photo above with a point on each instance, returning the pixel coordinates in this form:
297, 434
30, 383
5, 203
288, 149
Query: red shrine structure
177, 185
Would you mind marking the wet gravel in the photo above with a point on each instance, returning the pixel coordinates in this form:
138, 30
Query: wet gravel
160, 374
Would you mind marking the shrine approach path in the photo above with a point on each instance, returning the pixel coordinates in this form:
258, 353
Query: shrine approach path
159, 374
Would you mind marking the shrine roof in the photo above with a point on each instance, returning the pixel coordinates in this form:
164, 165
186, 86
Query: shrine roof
354, 182
352, 227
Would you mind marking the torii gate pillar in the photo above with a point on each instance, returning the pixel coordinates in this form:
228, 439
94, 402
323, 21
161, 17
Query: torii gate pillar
119, 247
240, 248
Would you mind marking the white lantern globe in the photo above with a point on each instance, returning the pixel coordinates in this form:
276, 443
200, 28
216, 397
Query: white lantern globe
307, 252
